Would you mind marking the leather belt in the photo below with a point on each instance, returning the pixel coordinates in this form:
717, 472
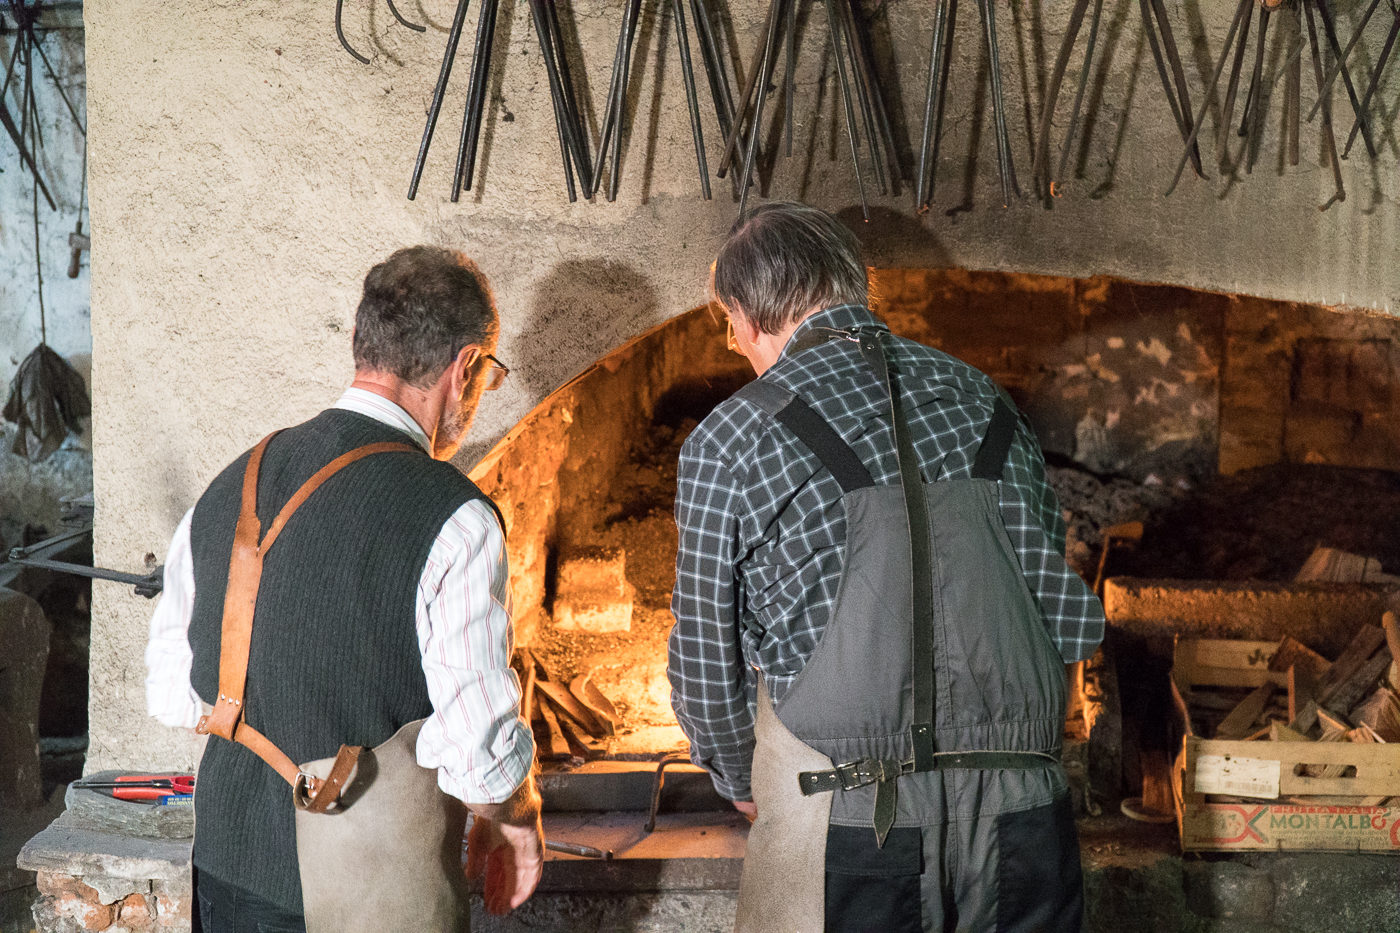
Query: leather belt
867, 771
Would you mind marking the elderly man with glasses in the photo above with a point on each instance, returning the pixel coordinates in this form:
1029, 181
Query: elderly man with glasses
873, 612
379, 624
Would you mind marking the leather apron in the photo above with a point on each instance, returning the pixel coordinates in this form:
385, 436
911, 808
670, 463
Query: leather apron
379, 845
863, 699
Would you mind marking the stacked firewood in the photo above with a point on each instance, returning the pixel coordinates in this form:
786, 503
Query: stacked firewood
571, 723
1350, 699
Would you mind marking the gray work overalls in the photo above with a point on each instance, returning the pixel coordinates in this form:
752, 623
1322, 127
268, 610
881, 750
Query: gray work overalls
953, 760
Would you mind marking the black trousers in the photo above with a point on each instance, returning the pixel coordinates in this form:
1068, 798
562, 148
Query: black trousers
223, 908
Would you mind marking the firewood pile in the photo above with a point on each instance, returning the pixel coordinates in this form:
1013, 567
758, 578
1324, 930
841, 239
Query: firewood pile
572, 722
1307, 698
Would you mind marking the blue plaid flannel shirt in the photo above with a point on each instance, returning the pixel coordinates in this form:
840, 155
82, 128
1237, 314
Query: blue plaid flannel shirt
762, 529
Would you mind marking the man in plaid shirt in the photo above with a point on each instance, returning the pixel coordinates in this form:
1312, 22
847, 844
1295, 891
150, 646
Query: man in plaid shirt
763, 534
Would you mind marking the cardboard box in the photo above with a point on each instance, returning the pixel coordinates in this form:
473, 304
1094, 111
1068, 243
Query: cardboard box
1263, 772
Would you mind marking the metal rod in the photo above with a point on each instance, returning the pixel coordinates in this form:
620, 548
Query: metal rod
340, 34
764, 75
1205, 101
556, 94
476, 96
1375, 81
610, 113
1328, 137
1180, 100
860, 78
1227, 114
732, 140
1330, 29
1341, 56
846, 100
626, 77
715, 71
403, 22
928, 148
692, 99
1052, 92
1292, 103
1257, 91
578, 136
1009, 188
789, 62
1079, 92
877, 96
453, 36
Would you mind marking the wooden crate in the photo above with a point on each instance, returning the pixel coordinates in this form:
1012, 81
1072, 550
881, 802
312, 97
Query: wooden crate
1335, 825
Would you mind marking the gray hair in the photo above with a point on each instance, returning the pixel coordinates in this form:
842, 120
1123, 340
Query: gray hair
420, 307
783, 259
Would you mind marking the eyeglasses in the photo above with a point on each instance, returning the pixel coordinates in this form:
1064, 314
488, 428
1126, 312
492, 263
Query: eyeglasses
496, 375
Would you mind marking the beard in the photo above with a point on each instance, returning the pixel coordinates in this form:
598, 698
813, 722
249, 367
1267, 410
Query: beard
452, 428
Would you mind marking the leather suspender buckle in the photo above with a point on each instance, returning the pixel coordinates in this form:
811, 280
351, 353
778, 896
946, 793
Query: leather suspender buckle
868, 771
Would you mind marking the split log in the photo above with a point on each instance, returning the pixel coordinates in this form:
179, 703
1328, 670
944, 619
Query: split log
570, 705
1240, 722
1278, 732
1348, 693
1363, 645
1306, 718
1381, 713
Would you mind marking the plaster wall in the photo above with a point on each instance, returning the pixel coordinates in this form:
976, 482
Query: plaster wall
246, 172
29, 492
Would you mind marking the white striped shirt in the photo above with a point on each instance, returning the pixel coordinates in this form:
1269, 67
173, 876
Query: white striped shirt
475, 737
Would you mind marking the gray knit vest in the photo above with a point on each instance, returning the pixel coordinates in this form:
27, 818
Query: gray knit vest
334, 656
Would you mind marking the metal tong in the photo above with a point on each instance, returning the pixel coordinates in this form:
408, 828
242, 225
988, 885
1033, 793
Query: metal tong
860, 92
340, 32
940, 62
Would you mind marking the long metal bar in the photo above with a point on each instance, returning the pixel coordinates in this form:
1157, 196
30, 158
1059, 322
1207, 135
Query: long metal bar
1327, 135
715, 71
453, 36
1257, 92
1164, 27
1009, 188
610, 113
731, 141
1375, 81
1052, 92
764, 75
846, 100
1330, 30
578, 136
556, 95
1341, 56
692, 99
624, 80
1292, 104
860, 77
1148, 27
864, 44
789, 67
1205, 101
933, 108
1079, 91
476, 97
1227, 113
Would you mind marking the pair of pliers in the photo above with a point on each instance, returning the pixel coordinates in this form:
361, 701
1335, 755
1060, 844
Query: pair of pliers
144, 786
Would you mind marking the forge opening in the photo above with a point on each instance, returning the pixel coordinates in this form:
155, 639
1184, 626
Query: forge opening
1242, 433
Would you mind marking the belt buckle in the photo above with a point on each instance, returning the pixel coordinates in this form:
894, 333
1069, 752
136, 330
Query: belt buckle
855, 774
303, 789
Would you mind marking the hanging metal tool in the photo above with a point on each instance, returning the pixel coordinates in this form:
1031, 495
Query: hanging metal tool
716, 71
940, 62
454, 35
1252, 119
573, 141
340, 31
860, 94
476, 97
1162, 41
25, 134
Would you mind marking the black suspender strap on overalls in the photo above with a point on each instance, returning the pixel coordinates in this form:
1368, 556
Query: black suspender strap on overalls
819, 437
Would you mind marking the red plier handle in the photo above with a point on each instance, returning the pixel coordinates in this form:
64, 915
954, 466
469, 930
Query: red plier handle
144, 786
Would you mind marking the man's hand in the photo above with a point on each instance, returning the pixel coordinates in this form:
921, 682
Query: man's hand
512, 858
507, 843
748, 808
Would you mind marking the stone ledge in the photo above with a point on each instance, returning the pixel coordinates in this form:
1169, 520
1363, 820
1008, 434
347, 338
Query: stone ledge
70, 847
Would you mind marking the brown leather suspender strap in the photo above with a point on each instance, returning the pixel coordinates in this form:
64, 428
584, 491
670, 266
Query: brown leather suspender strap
236, 637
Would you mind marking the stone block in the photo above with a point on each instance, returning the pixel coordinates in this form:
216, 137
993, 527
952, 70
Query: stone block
1330, 892
24, 633
1228, 889
136, 913
128, 817
592, 594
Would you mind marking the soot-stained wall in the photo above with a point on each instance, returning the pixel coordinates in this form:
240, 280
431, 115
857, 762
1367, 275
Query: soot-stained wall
246, 172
